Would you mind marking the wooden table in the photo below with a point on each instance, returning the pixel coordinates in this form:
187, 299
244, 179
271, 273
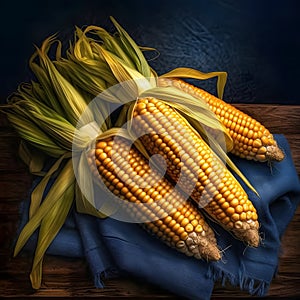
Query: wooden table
71, 278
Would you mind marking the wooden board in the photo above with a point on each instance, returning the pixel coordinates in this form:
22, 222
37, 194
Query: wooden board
65, 277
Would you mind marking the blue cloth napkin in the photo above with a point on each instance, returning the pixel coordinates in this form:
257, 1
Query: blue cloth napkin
114, 248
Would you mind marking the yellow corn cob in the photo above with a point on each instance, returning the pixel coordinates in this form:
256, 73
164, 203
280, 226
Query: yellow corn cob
129, 176
202, 175
251, 139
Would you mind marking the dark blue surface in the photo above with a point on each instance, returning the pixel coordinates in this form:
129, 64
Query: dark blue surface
256, 42
112, 247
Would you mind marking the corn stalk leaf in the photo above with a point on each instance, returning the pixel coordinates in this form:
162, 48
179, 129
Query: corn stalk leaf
35, 136
110, 43
64, 180
33, 158
49, 96
70, 99
88, 180
84, 206
50, 226
133, 51
190, 106
80, 77
85, 182
85, 52
38, 192
196, 74
57, 128
118, 69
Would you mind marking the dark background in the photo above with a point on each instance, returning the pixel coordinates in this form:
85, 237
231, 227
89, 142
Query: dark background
256, 42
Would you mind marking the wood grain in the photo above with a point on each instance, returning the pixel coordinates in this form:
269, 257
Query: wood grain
64, 277
277, 118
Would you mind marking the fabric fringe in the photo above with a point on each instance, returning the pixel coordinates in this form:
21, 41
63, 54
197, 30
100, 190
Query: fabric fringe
105, 274
253, 286
98, 280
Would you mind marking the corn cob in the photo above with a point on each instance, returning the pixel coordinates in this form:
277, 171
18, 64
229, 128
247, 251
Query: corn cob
163, 131
176, 221
251, 139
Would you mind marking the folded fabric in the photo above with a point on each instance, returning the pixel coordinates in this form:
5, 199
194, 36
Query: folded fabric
114, 248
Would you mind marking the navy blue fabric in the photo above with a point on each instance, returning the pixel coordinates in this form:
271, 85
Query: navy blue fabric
95, 251
110, 245
145, 257
279, 189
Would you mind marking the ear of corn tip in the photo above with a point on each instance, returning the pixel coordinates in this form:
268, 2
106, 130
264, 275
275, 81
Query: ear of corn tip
175, 221
251, 139
187, 156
